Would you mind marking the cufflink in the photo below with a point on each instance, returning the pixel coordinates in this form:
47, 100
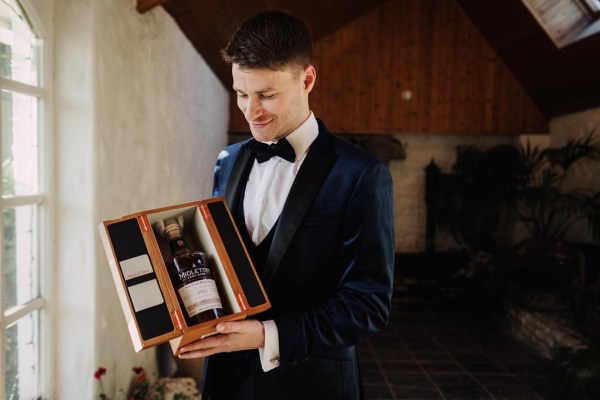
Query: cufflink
274, 360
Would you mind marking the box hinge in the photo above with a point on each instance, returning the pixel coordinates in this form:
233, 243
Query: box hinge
242, 302
144, 223
177, 317
204, 211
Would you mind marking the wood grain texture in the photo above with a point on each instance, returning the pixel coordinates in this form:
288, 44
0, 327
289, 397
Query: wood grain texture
430, 49
209, 24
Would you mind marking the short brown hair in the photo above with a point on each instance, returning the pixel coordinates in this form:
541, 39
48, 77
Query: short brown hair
270, 39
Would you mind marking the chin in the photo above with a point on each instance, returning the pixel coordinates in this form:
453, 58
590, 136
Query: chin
262, 136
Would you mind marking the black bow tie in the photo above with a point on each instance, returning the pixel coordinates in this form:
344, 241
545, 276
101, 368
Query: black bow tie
264, 152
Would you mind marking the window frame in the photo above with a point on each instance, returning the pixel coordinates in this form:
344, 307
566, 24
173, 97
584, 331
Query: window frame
592, 7
42, 201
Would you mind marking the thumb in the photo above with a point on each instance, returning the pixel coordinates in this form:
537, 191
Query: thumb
226, 327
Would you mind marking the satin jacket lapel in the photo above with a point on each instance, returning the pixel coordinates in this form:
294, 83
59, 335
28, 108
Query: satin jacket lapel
310, 178
239, 172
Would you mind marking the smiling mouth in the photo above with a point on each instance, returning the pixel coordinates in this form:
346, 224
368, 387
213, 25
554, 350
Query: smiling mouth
260, 124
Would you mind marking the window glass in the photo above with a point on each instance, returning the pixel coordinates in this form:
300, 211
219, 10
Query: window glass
18, 45
19, 124
21, 360
592, 6
20, 202
19, 255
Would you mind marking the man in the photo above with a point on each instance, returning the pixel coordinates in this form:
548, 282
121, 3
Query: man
316, 216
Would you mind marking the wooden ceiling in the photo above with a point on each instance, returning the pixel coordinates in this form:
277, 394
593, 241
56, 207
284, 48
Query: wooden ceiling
210, 23
558, 81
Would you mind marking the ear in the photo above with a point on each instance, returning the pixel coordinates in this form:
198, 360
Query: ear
310, 77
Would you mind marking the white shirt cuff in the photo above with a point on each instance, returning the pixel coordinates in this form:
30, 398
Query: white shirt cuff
269, 355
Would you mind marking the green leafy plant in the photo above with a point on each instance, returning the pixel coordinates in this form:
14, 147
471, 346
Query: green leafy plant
522, 182
545, 205
481, 188
489, 191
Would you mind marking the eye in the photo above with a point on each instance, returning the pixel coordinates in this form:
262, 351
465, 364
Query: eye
268, 96
242, 95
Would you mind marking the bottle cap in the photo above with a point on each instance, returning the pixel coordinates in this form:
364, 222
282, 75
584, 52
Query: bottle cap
172, 229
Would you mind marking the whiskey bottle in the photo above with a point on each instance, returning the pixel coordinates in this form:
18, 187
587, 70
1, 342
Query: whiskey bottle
192, 278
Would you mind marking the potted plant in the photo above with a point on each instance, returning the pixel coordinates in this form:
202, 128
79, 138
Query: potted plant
527, 185
548, 206
545, 205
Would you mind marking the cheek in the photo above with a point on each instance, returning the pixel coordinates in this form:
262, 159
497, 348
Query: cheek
276, 108
241, 104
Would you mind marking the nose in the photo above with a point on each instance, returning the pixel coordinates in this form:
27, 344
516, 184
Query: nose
253, 109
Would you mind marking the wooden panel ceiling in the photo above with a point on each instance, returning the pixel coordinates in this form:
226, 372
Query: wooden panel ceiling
414, 66
559, 81
210, 23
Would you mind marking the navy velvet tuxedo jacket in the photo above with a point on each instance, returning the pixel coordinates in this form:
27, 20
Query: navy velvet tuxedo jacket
328, 274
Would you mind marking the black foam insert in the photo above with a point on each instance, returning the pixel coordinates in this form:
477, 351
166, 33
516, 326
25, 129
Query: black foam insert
235, 250
128, 242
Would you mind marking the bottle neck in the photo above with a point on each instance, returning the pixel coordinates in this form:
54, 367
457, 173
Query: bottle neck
178, 246
176, 241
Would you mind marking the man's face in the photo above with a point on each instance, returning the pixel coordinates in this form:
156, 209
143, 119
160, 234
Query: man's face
274, 102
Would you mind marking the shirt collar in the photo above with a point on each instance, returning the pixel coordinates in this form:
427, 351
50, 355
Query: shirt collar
303, 136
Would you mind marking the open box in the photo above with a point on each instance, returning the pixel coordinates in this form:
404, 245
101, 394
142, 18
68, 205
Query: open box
138, 257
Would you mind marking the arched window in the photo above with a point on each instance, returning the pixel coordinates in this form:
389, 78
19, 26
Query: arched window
22, 203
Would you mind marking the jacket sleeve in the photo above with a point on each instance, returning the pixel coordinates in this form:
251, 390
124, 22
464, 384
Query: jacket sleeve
361, 304
223, 167
217, 178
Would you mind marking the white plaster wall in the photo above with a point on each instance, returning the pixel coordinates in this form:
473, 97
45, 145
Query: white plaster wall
161, 120
586, 172
140, 120
409, 183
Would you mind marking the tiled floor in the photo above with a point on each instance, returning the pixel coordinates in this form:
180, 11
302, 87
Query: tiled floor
440, 356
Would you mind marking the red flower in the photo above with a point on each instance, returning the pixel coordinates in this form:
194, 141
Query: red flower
138, 370
141, 377
98, 374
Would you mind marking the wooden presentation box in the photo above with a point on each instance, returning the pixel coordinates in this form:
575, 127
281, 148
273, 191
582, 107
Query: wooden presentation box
138, 257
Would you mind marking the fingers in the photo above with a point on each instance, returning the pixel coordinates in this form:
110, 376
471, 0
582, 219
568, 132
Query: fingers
206, 344
203, 348
233, 336
199, 353
227, 327
234, 326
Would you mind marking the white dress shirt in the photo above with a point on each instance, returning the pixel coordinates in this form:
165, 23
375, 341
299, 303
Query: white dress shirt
266, 192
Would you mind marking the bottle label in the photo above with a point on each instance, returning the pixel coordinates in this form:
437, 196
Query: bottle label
200, 296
